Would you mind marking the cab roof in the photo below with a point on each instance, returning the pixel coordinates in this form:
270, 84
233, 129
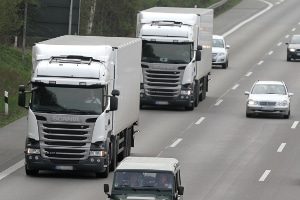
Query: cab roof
149, 163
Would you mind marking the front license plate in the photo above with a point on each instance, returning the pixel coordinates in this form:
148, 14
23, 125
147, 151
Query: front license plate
161, 103
267, 108
59, 167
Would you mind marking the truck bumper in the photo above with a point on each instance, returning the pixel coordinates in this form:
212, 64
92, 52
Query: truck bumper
182, 100
92, 164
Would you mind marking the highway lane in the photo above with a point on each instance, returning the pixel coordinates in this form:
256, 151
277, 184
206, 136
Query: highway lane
224, 155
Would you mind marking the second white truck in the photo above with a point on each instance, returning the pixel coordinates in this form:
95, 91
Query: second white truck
84, 103
176, 55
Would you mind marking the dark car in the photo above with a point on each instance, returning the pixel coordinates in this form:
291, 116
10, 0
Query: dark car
293, 48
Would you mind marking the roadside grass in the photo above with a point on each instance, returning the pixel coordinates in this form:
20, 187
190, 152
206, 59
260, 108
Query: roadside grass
13, 72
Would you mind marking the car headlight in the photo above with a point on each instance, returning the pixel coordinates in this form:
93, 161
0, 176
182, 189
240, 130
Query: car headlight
222, 54
292, 50
282, 103
252, 102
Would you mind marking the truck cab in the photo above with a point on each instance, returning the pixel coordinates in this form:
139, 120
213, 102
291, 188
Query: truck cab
146, 178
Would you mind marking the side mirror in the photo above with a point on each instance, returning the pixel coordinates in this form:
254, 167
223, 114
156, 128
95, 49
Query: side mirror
115, 92
180, 190
199, 47
22, 96
106, 189
113, 103
247, 93
198, 55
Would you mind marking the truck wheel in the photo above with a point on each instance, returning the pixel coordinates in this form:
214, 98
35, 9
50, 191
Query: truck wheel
113, 154
196, 94
103, 174
31, 172
191, 107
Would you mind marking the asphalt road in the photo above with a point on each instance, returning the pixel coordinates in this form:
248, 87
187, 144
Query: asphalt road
223, 154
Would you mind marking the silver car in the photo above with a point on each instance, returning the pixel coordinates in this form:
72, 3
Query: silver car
220, 51
268, 97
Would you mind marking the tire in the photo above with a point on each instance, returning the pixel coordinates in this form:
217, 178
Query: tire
103, 174
288, 58
113, 155
248, 115
196, 95
225, 65
202, 96
190, 108
31, 172
287, 116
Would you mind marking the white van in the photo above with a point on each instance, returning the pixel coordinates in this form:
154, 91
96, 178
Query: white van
146, 178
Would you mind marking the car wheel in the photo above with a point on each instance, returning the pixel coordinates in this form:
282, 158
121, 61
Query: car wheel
287, 116
288, 58
248, 115
225, 65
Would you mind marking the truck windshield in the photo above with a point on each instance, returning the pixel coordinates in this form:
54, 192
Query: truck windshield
158, 52
71, 100
142, 180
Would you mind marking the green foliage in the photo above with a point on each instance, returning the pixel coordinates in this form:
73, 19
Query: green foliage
13, 72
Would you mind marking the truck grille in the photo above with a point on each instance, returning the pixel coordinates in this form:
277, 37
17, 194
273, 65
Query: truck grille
65, 140
162, 83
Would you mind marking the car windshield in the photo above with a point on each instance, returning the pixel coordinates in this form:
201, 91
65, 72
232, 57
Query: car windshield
268, 89
142, 180
77, 100
218, 43
295, 39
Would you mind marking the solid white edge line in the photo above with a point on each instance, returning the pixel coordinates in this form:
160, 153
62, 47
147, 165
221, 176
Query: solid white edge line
176, 142
294, 124
248, 20
12, 169
281, 147
200, 120
265, 175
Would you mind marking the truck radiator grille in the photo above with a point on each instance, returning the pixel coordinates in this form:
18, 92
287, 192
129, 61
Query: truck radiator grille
60, 141
162, 83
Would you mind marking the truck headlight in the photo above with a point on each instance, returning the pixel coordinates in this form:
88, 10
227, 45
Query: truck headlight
186, 92
32, 151
97, 153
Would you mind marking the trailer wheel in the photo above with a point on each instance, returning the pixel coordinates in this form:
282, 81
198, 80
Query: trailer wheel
196, 94
31, 172
113, 154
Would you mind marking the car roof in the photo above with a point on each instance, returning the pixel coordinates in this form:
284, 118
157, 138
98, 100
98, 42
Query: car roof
218, 37
270, 82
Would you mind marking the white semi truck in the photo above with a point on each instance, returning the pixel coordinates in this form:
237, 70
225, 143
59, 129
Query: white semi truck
176, 55
146, 178
75, 119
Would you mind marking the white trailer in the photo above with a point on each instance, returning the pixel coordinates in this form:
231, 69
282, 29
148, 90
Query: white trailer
176, 55
75, 120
